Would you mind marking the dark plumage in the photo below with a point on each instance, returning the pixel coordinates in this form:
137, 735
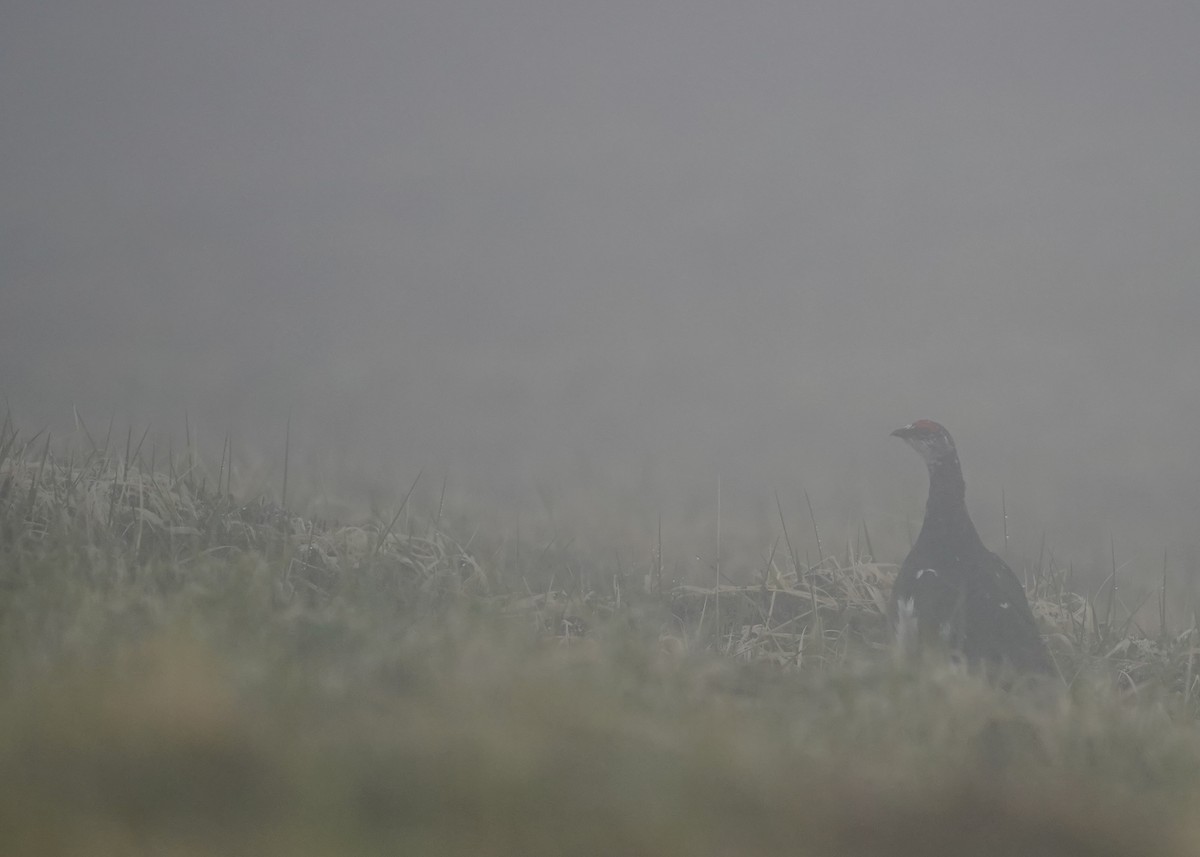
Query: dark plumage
952, 591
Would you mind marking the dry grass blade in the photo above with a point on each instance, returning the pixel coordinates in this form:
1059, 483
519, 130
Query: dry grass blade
388, 529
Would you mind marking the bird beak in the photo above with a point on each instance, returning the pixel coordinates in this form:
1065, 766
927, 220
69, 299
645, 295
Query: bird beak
905, 432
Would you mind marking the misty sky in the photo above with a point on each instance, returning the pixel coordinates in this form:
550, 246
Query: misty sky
613, 250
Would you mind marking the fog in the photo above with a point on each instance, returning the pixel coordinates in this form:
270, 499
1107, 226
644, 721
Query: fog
585, 259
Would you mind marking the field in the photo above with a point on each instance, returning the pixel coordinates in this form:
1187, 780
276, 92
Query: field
186, 672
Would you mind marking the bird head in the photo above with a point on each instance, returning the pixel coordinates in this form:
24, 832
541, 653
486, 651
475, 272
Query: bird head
930, 439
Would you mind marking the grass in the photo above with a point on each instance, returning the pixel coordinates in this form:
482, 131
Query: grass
183, 672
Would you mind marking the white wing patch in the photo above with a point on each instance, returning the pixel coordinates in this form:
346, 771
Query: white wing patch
932, 571
906, 624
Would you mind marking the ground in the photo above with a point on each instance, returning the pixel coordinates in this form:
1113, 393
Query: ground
183, 672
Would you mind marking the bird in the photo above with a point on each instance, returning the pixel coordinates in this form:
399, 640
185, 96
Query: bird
952, 592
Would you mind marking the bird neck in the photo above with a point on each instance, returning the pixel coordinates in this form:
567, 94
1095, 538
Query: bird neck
946, 518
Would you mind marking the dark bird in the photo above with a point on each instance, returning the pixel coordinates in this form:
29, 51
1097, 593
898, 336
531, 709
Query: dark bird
952, 592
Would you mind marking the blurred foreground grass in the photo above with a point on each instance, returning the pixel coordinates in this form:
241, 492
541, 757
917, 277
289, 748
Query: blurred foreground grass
184, 674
